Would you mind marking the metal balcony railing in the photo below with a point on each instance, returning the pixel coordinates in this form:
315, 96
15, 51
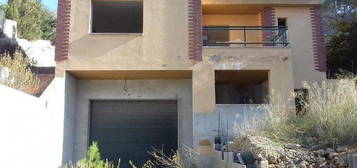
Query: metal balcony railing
245, 36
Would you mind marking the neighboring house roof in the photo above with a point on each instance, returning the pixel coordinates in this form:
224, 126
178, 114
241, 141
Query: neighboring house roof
40, 50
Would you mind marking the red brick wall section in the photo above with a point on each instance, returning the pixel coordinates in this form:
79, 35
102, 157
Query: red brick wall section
195, 29
268, 18
62, 32
45, 75
44, 81
318, 39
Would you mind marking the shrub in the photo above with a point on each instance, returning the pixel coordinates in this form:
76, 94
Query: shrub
332, 112
274, 124
15, 72
93, 160
175, 160
329, 118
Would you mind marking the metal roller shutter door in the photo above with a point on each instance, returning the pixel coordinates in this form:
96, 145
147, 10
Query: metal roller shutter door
129, 129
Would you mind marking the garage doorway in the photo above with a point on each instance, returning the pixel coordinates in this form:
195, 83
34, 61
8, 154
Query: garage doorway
130, 129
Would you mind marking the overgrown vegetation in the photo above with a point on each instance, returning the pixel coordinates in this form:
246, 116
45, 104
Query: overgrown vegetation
33, 19
329, 118
15, 72
93, 160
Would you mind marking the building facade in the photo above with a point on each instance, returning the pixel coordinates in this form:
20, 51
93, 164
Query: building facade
145, 73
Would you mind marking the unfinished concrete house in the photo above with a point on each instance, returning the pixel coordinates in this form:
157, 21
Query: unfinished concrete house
142, 74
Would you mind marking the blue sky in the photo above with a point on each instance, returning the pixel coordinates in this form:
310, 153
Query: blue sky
51, 4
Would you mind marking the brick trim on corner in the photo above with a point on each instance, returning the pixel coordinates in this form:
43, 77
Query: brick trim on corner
268, 18
62, 30
318, 39
195, 30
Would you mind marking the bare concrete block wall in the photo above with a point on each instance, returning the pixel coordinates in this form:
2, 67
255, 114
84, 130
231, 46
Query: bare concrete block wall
69, 118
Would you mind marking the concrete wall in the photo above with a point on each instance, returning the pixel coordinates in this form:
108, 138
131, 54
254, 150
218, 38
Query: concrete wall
31, 127
87, 90
70, 99
233, 116
276, 60
10, 28
300, 38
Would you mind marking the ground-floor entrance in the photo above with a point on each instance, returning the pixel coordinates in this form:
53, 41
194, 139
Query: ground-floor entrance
129, 129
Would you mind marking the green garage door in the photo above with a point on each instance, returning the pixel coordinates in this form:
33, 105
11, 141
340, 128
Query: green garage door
129, 129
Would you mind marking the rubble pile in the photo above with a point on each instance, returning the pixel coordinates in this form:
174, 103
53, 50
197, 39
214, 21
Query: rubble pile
269, 154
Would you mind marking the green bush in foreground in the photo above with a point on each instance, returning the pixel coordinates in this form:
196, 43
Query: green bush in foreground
93, 159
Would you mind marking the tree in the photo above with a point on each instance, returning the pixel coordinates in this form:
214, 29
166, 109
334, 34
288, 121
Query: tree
335, 11
34, 20
342, 48
340, 23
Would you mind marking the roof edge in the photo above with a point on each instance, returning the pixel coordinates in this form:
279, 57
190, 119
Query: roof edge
264, 2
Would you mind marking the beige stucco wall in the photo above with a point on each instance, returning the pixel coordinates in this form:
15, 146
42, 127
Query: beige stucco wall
276, 60
300, 38
231, 20
162, 45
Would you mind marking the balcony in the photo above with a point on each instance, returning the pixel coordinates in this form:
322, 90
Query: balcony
245, 36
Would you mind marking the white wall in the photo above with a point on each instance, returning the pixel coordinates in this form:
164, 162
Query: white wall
31, 128
10, 28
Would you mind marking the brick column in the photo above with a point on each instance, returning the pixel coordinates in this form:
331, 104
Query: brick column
195, 29
318, 39
268, 18
62, 32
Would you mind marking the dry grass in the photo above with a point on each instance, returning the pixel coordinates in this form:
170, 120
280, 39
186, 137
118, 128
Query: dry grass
15, 73
176, 160
330, 116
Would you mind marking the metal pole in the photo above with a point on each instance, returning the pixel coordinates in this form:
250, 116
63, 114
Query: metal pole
245, 36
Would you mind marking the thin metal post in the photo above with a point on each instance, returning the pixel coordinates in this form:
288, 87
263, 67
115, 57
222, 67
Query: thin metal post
245, 36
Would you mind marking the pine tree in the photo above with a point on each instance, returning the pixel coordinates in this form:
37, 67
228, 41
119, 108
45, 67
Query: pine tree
33, 19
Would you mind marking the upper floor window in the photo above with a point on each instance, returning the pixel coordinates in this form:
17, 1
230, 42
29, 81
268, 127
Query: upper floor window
117, 16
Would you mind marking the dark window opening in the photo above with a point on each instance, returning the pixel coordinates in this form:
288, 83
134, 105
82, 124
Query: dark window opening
117, 16
301, 100
241, 87
282, 22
